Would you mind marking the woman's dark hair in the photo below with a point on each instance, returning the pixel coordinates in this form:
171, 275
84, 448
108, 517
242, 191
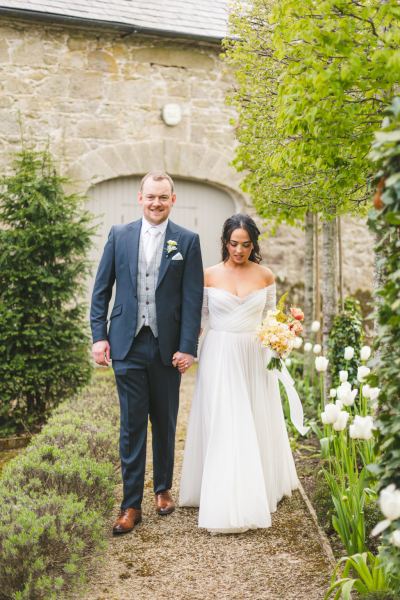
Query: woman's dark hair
241, 221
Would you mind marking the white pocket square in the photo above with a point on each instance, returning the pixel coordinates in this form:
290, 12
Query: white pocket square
177, 256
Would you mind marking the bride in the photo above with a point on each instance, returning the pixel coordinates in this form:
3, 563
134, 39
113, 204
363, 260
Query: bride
237, 462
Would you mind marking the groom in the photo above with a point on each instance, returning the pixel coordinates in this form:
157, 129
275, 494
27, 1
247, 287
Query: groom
152, 339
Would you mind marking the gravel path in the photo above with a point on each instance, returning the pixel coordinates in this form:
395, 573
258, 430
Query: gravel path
169, 557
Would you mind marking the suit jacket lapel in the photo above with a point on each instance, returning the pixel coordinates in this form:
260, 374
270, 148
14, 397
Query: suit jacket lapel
171, 233
132, 243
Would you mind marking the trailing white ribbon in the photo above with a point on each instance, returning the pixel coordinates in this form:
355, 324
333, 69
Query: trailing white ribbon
296, 409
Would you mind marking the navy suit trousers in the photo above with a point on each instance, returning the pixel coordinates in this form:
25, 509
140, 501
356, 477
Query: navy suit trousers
146, 388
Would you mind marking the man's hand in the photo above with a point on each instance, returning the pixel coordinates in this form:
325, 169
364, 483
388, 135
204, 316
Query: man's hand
101, 353
182, 361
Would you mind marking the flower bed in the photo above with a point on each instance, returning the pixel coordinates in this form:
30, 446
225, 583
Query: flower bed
54, 497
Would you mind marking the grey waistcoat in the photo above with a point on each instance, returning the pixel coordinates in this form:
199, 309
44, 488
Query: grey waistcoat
147, 278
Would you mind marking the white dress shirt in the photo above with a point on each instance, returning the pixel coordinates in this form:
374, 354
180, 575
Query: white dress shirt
152, 238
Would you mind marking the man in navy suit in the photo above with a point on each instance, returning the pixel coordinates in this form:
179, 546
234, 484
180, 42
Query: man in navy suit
152, 338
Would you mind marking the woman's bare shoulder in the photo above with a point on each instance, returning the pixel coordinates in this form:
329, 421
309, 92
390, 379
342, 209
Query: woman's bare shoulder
210, 273
267, 274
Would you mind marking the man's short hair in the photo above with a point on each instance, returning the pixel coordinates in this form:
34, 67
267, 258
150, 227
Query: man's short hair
157, 176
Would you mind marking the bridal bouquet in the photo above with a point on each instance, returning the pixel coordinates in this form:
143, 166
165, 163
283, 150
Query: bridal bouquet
279, 330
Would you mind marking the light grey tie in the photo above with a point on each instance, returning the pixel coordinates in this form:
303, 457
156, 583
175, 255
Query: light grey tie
152, 243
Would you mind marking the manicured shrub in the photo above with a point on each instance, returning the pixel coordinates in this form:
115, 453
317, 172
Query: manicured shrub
54, 498
346, 331
43, 538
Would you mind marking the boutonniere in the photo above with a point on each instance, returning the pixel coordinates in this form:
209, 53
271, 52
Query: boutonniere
171, 246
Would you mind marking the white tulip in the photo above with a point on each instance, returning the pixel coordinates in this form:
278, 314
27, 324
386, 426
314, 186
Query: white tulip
343, 376
321, 364
315, 326
389, 502
297, 342
373, 393
365, 352
332, 393
348, 400
307, 346
341, 421
330, 414
348, 352
288, 362
362, 372
366, 390
317, 349
339, 404
361, 429
343, 389
395, 538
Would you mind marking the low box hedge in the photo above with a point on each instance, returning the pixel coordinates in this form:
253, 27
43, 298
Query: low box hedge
55, 496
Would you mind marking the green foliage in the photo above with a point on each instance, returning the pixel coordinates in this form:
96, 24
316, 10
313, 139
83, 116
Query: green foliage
370, 577
44, 338
385, 223
55, 496
312, 79
346, 331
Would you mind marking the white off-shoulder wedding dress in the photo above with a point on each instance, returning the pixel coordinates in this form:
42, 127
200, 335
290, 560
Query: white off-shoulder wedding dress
238, 462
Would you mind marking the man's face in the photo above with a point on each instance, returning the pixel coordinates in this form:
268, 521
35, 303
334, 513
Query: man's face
156, 200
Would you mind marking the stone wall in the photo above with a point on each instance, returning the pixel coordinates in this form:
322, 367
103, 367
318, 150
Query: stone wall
90, 94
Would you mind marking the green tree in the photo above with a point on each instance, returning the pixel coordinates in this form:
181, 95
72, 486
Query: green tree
43, 334
313, 78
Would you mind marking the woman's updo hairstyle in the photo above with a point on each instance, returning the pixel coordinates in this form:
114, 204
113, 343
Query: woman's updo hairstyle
241, 221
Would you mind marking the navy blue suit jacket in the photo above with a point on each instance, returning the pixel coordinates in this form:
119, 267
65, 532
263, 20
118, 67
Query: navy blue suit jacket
179, 292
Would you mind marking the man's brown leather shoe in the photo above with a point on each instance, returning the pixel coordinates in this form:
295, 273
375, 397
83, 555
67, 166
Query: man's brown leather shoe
165, 504
126, 521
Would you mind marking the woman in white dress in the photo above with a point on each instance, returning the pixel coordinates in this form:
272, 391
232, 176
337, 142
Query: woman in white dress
238, 462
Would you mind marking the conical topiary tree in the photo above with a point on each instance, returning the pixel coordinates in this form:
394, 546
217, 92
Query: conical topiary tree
44, 238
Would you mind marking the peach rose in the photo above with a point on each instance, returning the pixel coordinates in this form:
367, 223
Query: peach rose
297, 313
296, 327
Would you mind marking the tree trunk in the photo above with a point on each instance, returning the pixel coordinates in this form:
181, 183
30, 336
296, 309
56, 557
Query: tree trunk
329, 285
340, 263
317, 291
309, 274
379, 282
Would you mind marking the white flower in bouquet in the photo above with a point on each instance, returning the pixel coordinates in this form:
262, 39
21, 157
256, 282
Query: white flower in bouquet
395, 538
362, 373
362, 427
298, 342
389, 502
288, 362
317, 349
307, 347
348, 399
315, 326
373, 393
332, 393
321, 364
366, 390
330, 414
343, 376
339, 404
341, 421
348, 353
343, 389
365, 353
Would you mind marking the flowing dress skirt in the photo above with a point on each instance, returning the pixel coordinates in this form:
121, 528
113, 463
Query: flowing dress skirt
238, 462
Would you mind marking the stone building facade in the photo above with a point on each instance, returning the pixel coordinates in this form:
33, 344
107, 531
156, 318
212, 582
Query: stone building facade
95, 95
